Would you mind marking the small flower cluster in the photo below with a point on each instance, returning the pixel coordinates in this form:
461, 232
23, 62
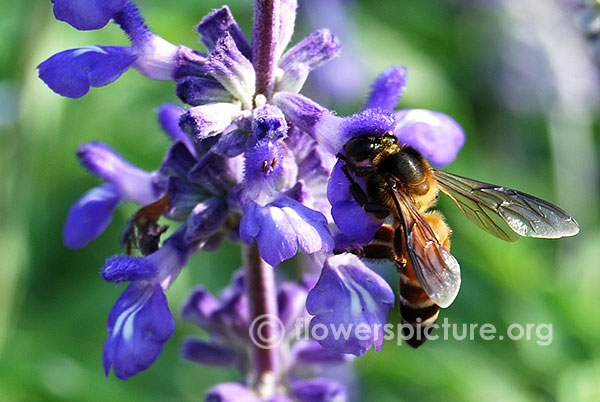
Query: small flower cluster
250, 162
228, 322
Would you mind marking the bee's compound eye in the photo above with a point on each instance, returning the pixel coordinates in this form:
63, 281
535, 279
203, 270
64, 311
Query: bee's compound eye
360, 148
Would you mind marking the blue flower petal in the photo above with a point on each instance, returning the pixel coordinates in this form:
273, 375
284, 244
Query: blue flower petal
138, 326
281, 226
86, 14
436, 135
350, 304
90, 215
133, 183
71, 72
350, 218
387, 89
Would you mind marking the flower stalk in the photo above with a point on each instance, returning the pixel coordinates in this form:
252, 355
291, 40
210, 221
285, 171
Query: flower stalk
264, 43
262, 299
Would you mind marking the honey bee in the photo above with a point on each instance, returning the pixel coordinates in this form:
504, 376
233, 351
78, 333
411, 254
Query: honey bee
142, 229
401, 187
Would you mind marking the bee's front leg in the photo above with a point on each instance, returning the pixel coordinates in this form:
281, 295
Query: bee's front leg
380, 211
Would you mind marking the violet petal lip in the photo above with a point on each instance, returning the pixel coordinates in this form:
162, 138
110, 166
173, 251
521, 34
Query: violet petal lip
282, 226
436, 135
90, 215
132, 183
72, 72
86, 14
138, 326
350, 294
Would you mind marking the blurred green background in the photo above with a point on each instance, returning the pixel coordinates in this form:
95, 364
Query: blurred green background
518, 77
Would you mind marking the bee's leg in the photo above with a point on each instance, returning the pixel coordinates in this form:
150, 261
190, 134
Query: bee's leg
399, 249
363, 171
390, 250
436, 221
380, 211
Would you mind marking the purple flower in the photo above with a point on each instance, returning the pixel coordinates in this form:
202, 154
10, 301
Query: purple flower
140, 322
350, 305
283, 225
87, 14
72, 72
227, 322
251, 159
92, 213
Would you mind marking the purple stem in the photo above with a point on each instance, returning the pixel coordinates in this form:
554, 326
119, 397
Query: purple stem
263, 44
262, 300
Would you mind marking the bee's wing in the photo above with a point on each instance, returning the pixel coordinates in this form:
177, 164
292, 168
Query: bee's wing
506, 213
437, 270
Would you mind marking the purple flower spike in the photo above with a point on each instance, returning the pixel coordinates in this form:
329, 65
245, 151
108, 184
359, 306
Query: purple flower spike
387, 89
281, 226
312, 118
231, 392
90, 215
318, 390
350, 298
436, 135
133, 184
208, 353
138, 326
216, 24
71, 72
312, 52
350, 218
87, 14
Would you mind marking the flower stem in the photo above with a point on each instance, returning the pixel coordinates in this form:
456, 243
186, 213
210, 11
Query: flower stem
262, 300
264, 42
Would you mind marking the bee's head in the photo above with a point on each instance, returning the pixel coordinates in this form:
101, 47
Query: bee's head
367, 147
